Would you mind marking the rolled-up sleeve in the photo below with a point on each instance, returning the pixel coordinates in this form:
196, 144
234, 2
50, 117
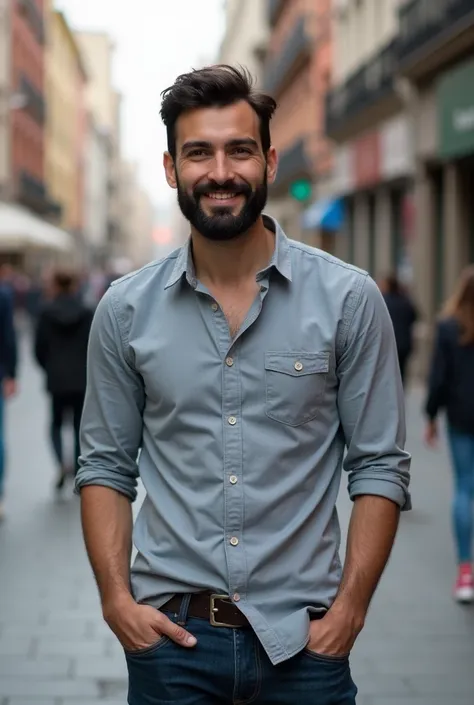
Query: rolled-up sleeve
371, 403
112, 421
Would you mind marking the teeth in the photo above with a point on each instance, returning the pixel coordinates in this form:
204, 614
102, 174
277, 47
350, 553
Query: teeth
221, 196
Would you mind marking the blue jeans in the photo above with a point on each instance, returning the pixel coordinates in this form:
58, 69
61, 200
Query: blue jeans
229, 667
2, 442
462, 452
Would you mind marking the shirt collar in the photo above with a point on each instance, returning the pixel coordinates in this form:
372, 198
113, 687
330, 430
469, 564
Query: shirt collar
281, 259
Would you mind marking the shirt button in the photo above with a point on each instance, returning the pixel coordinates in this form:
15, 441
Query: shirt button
233, 479
229, 361
214, 306
236, 597
232, 420
298, 366
234, 541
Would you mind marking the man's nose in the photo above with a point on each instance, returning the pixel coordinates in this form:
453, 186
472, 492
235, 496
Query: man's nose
221, 170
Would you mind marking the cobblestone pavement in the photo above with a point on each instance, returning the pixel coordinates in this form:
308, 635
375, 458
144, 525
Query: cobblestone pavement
417, 647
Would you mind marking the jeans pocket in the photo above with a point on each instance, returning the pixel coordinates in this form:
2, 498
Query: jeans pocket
326, 658
147, 650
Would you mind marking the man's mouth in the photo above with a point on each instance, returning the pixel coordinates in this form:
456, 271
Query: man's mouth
221, 196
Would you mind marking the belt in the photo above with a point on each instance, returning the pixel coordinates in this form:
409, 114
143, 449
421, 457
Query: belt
217, 609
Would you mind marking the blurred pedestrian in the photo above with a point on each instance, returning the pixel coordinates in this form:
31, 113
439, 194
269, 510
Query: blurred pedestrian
239, 366
451, 387
61, 349
404, 316
8, 365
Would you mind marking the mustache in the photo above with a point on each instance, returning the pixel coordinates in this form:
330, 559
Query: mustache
227, 187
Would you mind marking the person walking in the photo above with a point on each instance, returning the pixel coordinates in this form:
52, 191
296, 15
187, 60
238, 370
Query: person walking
451, 387
8, 367
404, 316
239, 366
61, 342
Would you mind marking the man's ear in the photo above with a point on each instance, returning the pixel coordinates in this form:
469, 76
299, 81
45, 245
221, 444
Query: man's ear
170, 170
272, 165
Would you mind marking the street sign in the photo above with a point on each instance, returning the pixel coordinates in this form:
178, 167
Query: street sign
301, 189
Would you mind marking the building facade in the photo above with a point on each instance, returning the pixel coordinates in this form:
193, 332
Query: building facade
366, 116
104, 105
96, 194
297, 73
137, 218
436, 57
27, 122
65, 125
246, 36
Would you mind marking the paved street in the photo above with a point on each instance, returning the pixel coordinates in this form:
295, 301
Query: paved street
417, 648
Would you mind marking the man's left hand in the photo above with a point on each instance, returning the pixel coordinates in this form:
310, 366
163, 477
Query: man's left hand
334, 634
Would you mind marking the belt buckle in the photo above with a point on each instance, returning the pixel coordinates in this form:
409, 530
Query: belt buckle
214, 610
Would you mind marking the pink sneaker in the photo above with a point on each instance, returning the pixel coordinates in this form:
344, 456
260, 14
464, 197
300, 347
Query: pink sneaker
464, 587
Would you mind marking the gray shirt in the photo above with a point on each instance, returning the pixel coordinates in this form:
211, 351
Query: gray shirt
242, 440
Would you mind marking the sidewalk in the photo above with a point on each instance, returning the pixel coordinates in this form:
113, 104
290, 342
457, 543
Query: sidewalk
417, 648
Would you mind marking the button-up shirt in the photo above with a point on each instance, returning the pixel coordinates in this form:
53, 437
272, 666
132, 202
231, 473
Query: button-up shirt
240, 441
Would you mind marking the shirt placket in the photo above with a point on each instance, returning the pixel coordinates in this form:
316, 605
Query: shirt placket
233, 445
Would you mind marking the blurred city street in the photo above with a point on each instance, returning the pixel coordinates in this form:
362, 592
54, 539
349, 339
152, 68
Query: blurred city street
54, 649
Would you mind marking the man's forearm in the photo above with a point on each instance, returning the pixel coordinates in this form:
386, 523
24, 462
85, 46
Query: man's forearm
372, 531
107, 524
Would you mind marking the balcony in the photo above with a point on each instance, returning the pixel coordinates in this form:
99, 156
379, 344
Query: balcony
274, 10
365, 89
32, 193
35, 104
296, 51
429, 28
293, 163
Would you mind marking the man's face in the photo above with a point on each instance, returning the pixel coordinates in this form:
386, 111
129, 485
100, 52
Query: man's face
220, 173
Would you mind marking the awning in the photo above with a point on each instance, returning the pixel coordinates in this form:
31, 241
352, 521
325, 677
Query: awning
327, 214
21, 229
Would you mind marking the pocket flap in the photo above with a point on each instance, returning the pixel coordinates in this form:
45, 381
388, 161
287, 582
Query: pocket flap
297, 364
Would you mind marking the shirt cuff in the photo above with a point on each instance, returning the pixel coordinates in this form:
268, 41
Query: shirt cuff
381, 487
103, 478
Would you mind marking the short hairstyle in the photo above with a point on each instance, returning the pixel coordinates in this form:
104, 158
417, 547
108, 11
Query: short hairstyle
65, 280
214, 86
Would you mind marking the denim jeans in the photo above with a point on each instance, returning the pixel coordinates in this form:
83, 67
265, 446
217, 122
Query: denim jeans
462, 452
229, 667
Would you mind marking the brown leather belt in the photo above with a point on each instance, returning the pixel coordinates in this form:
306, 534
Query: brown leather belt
219, 610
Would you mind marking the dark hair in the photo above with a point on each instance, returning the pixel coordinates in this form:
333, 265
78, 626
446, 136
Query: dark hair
393, 285
65, 281
461, 306
218, 85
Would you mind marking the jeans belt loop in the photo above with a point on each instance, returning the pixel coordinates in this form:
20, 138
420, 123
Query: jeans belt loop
183, 610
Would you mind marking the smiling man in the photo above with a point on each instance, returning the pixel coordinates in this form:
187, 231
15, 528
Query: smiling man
243, 365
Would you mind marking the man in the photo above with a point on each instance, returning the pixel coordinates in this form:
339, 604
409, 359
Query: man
240, 365
8, 364
62, 336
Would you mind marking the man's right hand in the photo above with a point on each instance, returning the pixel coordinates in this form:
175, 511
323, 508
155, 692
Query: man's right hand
140, 626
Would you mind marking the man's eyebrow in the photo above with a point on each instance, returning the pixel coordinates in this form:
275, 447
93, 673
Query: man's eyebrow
238, 142
194, 144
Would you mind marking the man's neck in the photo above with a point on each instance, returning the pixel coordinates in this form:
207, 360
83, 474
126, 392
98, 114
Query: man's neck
233, 261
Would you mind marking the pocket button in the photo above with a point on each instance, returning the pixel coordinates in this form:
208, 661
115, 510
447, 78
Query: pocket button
298, 366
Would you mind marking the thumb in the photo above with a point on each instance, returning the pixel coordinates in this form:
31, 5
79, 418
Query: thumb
176, 633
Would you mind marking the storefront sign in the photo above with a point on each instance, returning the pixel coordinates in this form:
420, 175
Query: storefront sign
455, 100
367, 159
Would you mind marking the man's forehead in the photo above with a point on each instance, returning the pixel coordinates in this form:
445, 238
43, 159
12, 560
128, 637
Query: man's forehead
218, 124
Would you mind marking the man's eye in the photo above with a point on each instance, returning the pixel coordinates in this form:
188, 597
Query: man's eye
241, 150
197, 153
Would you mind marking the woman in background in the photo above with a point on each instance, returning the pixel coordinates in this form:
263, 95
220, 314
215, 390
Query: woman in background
451, 386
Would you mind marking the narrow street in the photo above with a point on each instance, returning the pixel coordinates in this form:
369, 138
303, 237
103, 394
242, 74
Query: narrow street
417, 648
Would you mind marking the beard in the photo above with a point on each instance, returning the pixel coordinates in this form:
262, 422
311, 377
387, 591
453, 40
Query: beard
222, 225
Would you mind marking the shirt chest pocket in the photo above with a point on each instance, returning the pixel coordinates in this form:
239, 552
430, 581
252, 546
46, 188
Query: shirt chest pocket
295, 383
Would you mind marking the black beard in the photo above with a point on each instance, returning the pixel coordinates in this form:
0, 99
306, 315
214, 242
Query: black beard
222, 225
